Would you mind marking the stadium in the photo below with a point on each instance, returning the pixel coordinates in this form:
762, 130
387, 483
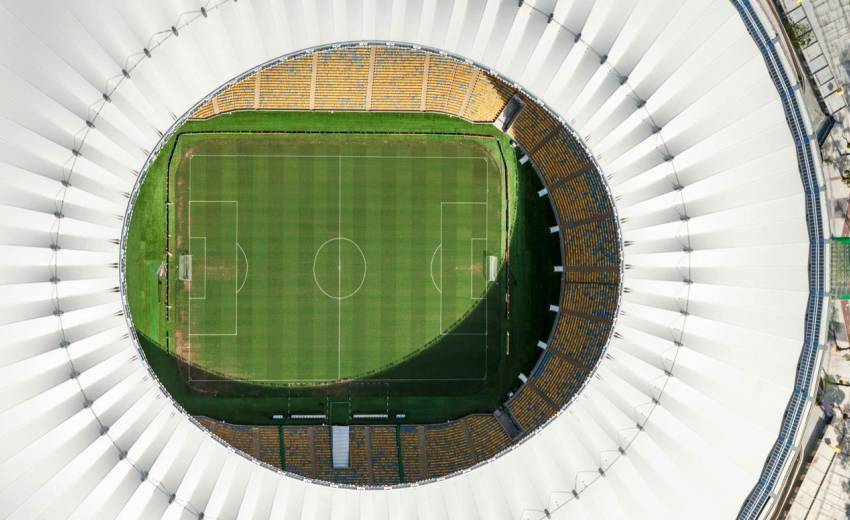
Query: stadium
424, 335
393, 259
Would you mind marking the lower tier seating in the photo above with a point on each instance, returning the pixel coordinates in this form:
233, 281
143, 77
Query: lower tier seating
384, 455
488, 437
529, 408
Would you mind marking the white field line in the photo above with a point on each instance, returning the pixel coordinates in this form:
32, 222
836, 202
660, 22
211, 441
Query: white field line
431, 267
340, 157
486, 313
486, 237
339, 263
245, 279
339, 273
464, 158
472, 267
191, 281
319, 380
236, 268
189, 232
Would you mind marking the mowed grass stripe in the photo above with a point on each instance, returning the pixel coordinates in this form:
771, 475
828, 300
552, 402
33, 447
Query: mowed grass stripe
363, 213
316, 348
263, 248
421, 226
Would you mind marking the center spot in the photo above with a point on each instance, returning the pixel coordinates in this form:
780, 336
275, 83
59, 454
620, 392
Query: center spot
339, 268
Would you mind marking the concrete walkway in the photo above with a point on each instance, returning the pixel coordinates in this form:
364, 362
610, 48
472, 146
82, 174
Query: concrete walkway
823, 71
823, 494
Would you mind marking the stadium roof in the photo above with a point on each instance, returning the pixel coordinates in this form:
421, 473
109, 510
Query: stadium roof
690, 111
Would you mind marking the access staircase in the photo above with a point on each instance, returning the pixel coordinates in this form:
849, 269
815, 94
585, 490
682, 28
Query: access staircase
339, 446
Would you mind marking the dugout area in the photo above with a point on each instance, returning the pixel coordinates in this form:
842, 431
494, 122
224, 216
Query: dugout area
325, 261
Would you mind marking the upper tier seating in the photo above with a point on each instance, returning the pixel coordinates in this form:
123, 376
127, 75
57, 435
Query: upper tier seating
488, 437
447, 85
341, 79
286, 85
373, 77
397, 80
238, 97
489, 96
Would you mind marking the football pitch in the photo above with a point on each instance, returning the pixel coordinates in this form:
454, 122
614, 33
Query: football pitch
303, 259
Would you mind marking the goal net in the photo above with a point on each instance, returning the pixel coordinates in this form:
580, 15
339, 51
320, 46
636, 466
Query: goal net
493, 268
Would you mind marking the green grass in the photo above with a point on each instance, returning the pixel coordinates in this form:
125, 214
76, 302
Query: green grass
317, 258
288, 330
146, 243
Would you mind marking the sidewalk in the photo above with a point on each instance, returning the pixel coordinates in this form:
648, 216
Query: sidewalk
823, 494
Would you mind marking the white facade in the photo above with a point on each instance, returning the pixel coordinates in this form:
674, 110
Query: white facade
674, 99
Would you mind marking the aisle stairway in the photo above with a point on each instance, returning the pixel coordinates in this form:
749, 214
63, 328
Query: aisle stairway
339, 444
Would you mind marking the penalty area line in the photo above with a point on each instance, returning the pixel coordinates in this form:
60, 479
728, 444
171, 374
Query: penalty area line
245, 279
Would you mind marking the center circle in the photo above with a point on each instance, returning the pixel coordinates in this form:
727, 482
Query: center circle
339, 268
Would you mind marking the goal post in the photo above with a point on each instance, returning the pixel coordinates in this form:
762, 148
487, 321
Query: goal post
492, 268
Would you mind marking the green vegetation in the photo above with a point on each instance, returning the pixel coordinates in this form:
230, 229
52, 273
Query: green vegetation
421, 333
799, 33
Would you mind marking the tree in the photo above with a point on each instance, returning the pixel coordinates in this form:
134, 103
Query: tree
799, 34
